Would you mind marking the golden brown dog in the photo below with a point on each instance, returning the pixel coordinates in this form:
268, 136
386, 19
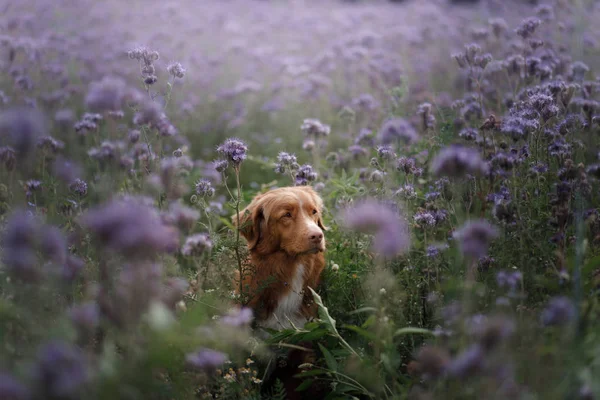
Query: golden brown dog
285, 237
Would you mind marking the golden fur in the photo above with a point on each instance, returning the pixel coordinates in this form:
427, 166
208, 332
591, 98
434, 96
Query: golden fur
284, 231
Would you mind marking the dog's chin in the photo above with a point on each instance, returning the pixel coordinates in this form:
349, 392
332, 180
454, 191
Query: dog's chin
312, 250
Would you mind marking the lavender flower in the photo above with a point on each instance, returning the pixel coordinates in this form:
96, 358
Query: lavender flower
206, 359
109, 94
509, 280
234, 150
176, 70
220, 165
305, 175
315, 128
204, 188
474, 238
130, 227
528, 27
85, 316
469, 134
397, 129
386, 152
196, 245
560, 311
467, 363
238, 317
286, 159
392, 236
424, 218
456, 161
22, 128
79, 187
11, 389
61, 370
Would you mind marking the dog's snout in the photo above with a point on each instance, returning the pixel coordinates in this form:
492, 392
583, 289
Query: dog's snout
315, 235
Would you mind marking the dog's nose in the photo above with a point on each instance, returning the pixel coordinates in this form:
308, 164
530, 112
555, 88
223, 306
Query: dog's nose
315, 236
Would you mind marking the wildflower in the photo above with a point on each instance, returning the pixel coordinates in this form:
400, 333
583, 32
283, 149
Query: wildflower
427, 118
474, 237
424, 218
305, 175
79, 187
335, 267
22, 128
386, 152
377, 176
457, 161
129, 227
469, 134
357, 151
286, 159
509, 280
134, 136
559, 311
196, 245
176, 70
61, 370
238, 317
85, 316
467, 363
528, 27
206, 359
109, 94
579, 69
308, 145
397, 129
18, 241
434, 250
204, 188
234, 150
391, 232
220, 165
11, 389
314, 127
407, 191
49, 144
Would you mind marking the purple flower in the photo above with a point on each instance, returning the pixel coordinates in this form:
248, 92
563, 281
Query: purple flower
234, 150
196, 245
305, 175
286, 159
176, 70
314, 127
79, 187
109, 94
528, 27
392, 236
206, 359
23, 128
397, 129
474, 237
559, 311
130, 227
434, 250
11, 389
61, 370
458, 161
18, 242
509, 280
85, 316
467, 363
204, 188
386, 152
469, 134
238, 317
424, 218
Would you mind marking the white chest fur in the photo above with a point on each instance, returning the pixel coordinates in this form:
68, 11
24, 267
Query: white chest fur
289, 305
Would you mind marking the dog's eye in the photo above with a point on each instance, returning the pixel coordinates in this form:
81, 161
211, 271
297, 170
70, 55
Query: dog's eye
288, 215
314, 212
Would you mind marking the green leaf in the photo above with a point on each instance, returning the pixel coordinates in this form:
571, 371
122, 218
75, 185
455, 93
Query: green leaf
363, 332
305, 385
409, 330
312, 372
363, 310
324, 313
227, 223
329, 358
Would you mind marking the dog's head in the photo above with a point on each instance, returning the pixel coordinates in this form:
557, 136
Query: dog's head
286, 219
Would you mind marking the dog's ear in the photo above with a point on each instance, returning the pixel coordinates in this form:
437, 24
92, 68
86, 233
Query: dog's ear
250, 220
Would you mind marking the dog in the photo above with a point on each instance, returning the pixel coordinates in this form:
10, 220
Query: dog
285, 234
